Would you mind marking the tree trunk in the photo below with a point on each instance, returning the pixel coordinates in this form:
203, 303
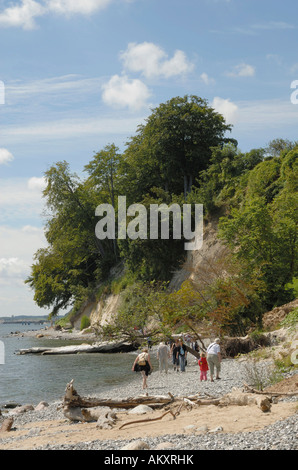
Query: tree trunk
73, 400
105, 347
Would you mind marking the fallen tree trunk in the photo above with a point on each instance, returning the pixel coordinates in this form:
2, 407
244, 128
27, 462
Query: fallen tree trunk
77, 408
73, 400
105, 347
237, 397
192, 351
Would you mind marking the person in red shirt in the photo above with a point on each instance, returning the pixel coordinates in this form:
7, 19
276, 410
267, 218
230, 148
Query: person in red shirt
203, 367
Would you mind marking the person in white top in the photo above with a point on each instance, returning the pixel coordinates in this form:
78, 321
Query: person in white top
163, 354
214, 358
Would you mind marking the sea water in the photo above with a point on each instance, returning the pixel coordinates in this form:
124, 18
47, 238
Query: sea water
31, 378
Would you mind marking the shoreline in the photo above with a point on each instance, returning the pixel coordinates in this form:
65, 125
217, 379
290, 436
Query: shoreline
51, 333
226, 427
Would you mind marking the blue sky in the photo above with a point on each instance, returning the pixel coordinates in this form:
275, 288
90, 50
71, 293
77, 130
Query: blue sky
78, 75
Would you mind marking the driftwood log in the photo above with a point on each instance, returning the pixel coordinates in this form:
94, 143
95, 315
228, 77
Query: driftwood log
77, 408
237, 397
104, 347
73, 400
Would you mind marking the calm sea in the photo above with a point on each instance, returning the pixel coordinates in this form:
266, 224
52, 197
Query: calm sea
29, 379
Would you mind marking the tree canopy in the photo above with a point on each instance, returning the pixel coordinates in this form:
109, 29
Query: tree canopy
175, 144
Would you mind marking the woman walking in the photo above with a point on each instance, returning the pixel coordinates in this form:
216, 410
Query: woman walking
181, 355
174, 350
142, 364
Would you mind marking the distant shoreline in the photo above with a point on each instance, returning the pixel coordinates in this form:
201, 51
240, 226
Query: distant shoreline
52, 333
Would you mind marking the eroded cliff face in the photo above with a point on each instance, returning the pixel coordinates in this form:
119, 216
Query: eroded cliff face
200, 260
105, 310
100, 313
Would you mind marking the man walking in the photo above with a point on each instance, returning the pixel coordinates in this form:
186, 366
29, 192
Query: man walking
163, 354
214, 358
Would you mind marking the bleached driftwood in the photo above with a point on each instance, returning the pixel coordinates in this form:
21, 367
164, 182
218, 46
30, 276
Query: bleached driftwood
73, 400
104, 347
77, 408
237, 397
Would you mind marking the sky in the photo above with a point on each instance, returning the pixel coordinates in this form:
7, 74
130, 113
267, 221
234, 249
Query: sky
76, 76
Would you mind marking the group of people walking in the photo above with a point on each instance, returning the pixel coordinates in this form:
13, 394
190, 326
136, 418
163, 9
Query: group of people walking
209, 361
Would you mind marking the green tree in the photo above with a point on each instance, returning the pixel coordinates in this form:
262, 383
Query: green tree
75, 259
223, 182
105, 178
175, 144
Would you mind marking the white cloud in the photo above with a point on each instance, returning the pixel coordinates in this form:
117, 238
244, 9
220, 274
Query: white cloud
152, 61
35, 183
257, 28
18, 202
12, 268
17, 247
242, 70
5, 156
84, 7
24, 13
206, 79
226, 108
75, 128
125, 92
273, 25
69, 85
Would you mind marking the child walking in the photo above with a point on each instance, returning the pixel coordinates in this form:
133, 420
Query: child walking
203, 366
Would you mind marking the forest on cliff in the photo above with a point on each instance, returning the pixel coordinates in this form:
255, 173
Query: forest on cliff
182, 154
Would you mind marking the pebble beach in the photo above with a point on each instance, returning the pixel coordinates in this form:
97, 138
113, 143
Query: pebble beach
279, 433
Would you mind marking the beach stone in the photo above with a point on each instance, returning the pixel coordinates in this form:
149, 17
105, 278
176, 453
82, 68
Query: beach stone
11, 405
141, 409
164, 446
23, 409
136, 445
41, 406
94, 413
190, 427
203, 428
105, 422
215, 430
34, 432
